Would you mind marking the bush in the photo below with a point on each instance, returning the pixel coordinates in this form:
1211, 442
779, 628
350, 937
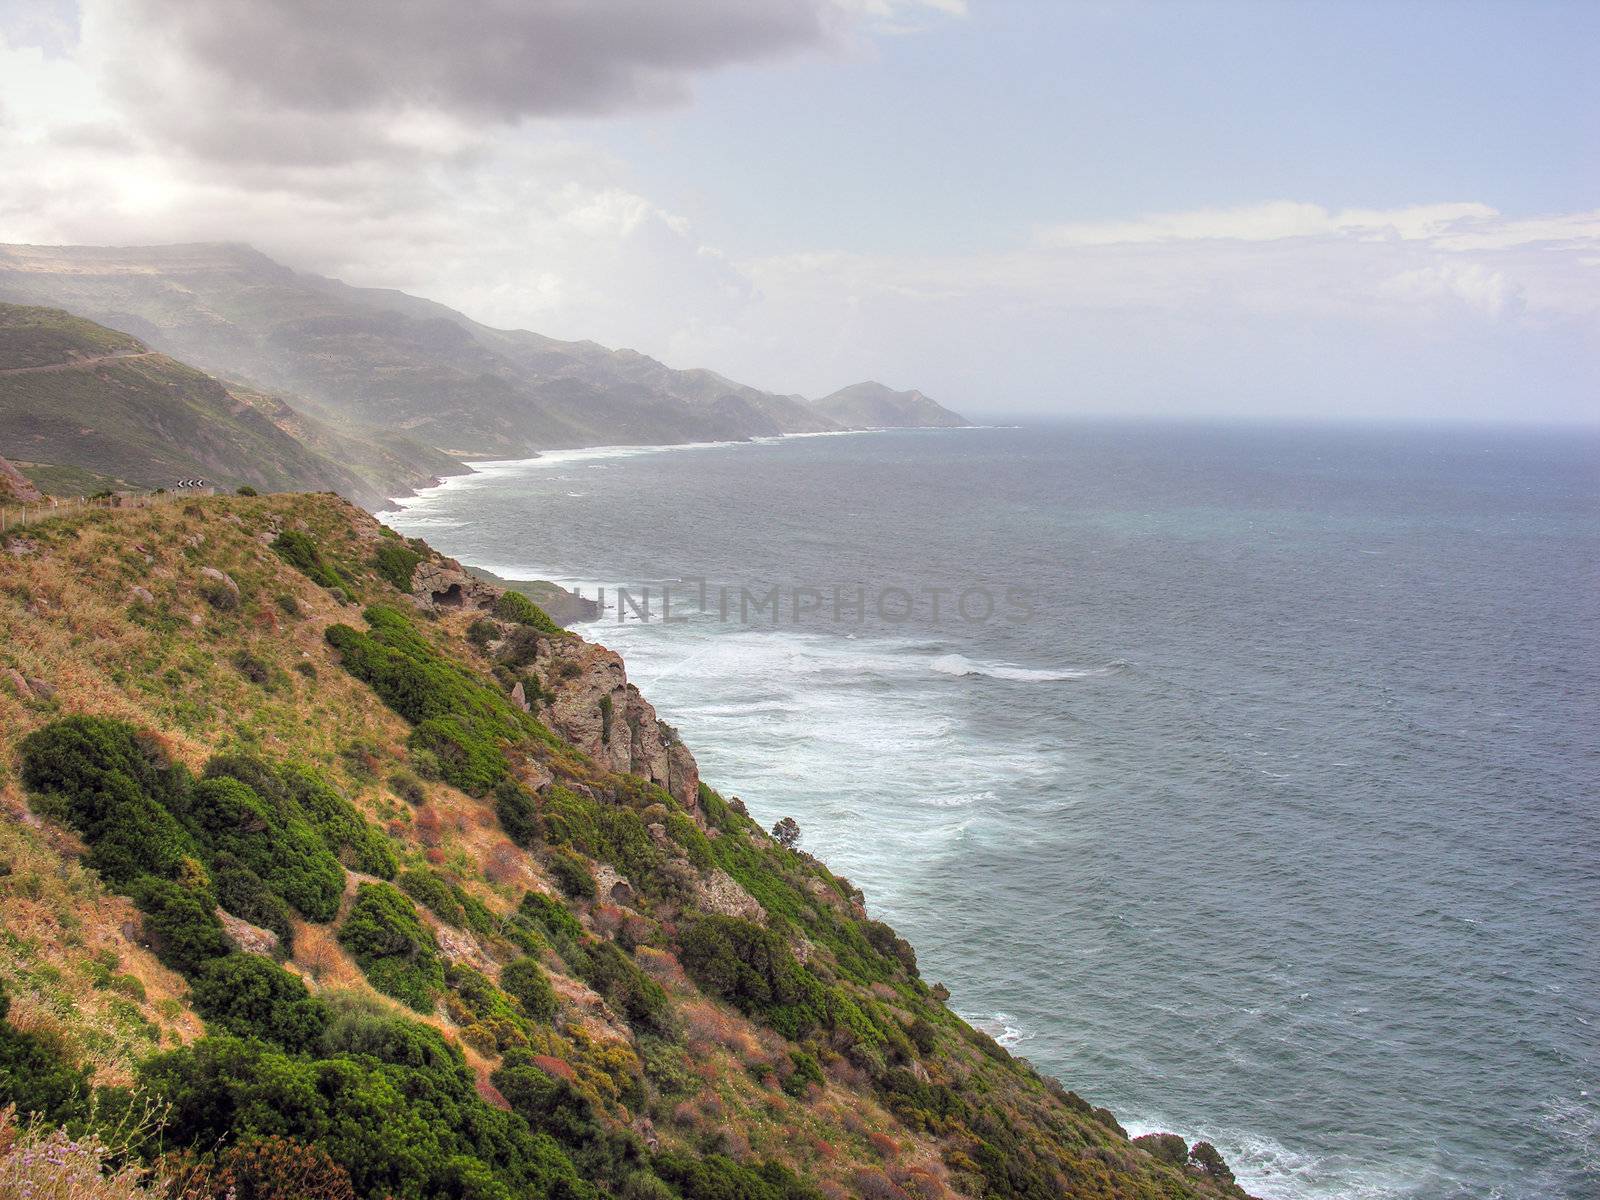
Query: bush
551, 917
611, 972
428, 889
787, 833
398, 1111
518, 813
245, 894
481, 632
394, 949
1168, 1147
277, 843
466, 759
408, 787
272, 1168
97, 775
1209, 1160
572, 874
752, 969
245, 489
257, 670
525, 981
36, 1076
514, 606
396, 561
250, 996
301, 553
181, 924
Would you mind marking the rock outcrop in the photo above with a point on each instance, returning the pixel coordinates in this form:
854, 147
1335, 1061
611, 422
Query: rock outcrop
441, 583
593, 706
252, 939
15, 487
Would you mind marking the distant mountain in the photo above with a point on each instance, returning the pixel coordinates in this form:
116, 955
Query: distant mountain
84, 407
376, 358
876, 406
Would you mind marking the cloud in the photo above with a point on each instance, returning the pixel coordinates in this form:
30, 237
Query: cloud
1271, 222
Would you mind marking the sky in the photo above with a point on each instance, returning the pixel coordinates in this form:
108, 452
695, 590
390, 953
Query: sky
1369, 208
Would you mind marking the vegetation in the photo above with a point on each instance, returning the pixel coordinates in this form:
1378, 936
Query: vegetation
393, 948
636, 1041
514, 606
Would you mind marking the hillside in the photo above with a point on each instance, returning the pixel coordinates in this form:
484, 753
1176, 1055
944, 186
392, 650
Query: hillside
85, 407
876, 406
382, 359
361, 873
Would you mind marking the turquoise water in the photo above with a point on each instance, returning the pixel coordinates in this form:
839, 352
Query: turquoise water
1274, 823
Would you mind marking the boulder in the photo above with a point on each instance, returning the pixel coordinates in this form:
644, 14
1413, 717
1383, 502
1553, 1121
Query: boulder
252, 939
519, 697
721, 893
42, 688
18, 684
221, 577
141, 594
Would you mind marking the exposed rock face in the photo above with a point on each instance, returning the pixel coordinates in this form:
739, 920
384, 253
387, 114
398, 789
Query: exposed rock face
594, 707
721, 893
612, 885
443, 584
15, 486
252, 939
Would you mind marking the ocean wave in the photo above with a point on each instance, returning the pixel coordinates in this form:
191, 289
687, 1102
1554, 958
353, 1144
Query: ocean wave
961, 665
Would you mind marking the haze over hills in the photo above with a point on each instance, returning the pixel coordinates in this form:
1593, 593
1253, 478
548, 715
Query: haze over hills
84, 407
366, 357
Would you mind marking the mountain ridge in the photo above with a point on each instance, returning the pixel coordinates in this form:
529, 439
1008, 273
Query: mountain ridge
371, 357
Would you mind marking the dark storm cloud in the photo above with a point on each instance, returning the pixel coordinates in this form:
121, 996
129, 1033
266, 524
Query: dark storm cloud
488, 59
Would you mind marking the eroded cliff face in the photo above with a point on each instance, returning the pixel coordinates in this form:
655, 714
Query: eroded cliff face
580, 689
592, 705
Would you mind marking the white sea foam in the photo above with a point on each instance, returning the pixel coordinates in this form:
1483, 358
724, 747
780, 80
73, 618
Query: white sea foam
961, 665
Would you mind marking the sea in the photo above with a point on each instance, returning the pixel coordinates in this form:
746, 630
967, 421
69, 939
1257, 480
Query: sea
1244, 777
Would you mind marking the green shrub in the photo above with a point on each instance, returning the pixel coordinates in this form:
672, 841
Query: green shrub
250, 996
299, 551
552, 917
466, 759
391, 945
98, 776
806, 1072
572, 874
514, 805
278, 844
395, 561
428, 889
397, 1109
514, 606
182, 924
481, 632
245, 894
612, 973
245, 489
717, 1177
752, 969
525, 981
36, 1076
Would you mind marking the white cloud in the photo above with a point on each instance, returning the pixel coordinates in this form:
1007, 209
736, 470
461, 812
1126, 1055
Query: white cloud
1246, 309
1272, 222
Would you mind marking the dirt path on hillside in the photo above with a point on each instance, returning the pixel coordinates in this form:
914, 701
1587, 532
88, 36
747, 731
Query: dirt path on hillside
77, 362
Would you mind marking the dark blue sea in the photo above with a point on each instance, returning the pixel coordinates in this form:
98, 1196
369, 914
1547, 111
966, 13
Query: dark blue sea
1248, 779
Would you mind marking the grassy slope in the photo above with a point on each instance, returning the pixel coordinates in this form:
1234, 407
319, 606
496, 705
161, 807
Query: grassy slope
144, 421
67, 616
